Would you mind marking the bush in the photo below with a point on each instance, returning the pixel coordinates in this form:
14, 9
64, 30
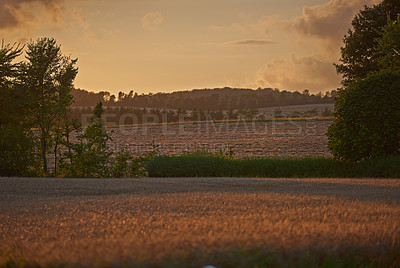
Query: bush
308, 167
125, 164
367, 123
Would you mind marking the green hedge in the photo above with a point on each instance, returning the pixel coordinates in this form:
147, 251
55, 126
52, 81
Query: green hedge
314, 167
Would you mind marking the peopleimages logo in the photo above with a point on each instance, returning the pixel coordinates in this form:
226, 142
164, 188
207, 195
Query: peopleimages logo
186, 126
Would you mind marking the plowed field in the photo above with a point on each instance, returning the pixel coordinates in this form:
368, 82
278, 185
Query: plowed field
247, 139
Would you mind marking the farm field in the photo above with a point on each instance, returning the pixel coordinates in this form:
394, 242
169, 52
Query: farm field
286, 138
193, 222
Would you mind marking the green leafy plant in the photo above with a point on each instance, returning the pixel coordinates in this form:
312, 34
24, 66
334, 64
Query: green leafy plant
388, 49
47, 79
358, 54
17, 142
90, 156
125, 164
367, 121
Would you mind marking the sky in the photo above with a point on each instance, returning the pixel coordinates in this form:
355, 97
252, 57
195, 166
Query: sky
170, 45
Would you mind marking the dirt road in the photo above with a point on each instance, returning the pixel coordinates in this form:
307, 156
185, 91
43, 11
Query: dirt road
146, 221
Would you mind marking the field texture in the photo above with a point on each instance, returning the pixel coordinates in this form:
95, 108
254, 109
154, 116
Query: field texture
192, 222
287, 138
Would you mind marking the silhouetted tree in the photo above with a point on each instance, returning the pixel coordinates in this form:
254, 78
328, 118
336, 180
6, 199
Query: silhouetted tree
16, 137
47, 78
358, 55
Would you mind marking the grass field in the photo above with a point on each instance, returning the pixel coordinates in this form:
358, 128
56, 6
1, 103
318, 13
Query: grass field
192, 222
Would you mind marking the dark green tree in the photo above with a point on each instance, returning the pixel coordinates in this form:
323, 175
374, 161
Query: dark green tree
358, 54
90, 156
47, 77
388, 49
367, 121
16, 139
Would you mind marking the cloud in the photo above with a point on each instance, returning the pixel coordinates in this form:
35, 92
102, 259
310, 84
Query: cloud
82, 20
330, 21
297, 73
152, 20
262, 26
250, 42
20, 13
320, 28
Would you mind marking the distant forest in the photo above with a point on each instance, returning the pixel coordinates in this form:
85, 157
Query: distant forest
204, 99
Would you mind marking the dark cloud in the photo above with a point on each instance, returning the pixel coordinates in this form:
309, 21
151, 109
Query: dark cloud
7, 19
13, 14
250, 42
330, 20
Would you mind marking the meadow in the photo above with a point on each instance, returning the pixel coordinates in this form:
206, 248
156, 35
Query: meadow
193, 222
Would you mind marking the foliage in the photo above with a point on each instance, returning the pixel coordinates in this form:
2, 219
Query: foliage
90, 156
367, 121
388, 49
120, 166
309, 167
16, 146
125, 164
47, 78
358, 55
204, 99
16, 139
227, 153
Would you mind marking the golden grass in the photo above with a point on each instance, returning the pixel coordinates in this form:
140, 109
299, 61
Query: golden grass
195, 222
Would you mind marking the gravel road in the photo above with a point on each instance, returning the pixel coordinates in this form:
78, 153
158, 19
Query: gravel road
90, 222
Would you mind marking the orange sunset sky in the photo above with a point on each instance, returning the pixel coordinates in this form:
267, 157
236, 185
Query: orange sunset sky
169, 45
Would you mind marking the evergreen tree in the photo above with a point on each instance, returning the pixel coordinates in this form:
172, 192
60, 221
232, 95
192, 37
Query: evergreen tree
90, 156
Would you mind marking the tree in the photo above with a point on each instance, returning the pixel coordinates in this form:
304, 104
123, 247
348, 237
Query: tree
16, 140
367, 121
90, 156
358, 55
388, 49
47, 77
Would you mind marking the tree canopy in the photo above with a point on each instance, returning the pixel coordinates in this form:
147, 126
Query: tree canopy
47, 78
359, 55
16, 139
368, 110
388, 50
367, 121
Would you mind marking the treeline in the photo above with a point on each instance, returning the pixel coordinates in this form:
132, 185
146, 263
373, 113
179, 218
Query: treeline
204, 99
131, 116
117, 116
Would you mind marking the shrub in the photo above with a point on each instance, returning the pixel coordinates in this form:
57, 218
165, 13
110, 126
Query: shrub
308, 167
367, 121
125, 164
90, 156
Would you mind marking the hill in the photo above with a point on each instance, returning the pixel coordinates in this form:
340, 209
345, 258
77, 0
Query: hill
204, 99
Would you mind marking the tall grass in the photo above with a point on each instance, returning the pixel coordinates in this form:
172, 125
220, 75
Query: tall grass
212, 165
